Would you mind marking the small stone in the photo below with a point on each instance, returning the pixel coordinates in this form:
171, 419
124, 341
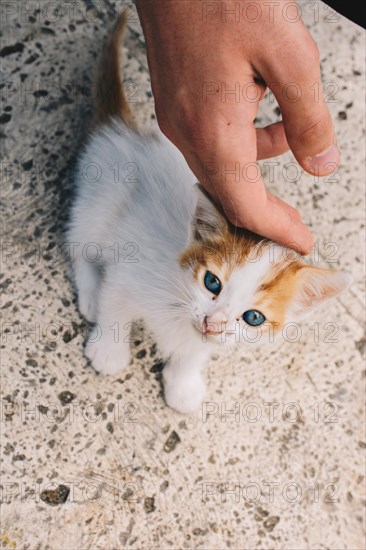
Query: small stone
153, 350
171, 442
13, 48
128, 493
66, 397
198, 531
110, 427
40, 93
157, 367
271, 522
46, 30
55, 496
360, 345
140, 354
8, 449
262, 512
19, 457
164, 486
27, 165
66, 337
149, 505
33, 57
342, 115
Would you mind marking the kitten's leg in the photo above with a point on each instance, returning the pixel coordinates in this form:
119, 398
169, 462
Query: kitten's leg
184, 386
108, 346
87, 280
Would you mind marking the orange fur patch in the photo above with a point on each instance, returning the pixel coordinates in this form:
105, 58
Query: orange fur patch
277, 291
231, 247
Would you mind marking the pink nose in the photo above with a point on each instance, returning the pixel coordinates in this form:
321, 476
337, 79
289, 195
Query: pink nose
213, 326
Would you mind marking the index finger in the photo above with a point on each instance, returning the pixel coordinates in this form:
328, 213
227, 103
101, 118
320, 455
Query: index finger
230, 174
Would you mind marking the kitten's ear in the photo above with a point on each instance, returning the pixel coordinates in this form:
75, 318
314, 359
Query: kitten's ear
314, 286
208, 220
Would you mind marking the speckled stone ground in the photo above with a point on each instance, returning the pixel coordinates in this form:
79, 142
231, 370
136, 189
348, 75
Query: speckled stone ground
91, 462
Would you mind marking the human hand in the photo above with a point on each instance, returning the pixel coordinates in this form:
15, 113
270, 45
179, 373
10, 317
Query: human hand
200, 51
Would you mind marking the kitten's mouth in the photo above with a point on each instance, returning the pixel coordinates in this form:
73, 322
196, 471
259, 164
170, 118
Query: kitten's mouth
211, 330
211, 336
200, 327
208, 332
220, 338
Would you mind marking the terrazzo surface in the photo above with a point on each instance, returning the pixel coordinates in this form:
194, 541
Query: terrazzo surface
276, 457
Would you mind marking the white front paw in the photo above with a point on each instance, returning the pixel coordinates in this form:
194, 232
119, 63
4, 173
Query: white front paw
184, 394
107, 357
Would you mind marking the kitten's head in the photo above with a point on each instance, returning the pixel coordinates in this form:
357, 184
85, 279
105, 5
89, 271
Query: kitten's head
245, 286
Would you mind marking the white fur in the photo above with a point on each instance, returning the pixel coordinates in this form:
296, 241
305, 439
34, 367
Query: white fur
144, 280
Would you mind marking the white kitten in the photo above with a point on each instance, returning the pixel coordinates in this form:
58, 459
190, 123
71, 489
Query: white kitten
148, 243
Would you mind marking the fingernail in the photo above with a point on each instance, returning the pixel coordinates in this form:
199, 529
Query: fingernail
325, 162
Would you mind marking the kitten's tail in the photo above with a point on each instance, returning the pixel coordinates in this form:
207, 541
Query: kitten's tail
110, 97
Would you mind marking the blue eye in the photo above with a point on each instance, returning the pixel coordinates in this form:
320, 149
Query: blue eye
253, 317
212, 283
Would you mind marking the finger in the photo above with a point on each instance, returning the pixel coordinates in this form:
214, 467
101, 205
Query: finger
271, 141
272, 219
242, 193
290, 209
306, 118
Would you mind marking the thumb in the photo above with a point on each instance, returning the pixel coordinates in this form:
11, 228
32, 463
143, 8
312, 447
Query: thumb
310, 135
306, 118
